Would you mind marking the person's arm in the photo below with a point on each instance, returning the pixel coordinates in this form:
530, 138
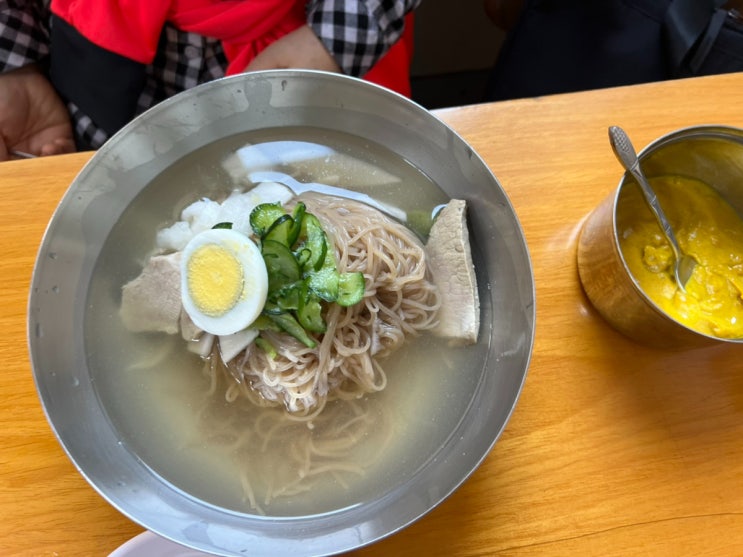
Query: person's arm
358, 33
33, 118
340, 36
299, 49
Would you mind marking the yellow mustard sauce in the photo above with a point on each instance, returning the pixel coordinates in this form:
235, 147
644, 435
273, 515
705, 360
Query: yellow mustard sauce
707, 228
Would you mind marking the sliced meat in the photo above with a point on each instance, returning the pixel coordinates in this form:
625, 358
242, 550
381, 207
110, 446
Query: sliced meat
152, 301
450, 261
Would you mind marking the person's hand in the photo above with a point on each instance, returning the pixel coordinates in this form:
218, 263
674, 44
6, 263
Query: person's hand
298, 49
33, 118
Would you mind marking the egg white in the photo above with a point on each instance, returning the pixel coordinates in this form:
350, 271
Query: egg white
252, 297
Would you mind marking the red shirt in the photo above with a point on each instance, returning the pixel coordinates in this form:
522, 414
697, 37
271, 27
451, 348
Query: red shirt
131, 28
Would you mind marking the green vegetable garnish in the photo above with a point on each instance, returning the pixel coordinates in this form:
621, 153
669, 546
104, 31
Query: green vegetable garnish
289, 324
315, 242
309, 311
283, 269
261, 220
350, 289
302, 271
266, 346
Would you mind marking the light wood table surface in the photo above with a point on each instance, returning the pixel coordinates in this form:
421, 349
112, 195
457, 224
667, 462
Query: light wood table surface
613, 449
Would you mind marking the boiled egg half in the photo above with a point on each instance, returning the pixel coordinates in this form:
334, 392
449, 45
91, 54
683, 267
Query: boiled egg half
224, 281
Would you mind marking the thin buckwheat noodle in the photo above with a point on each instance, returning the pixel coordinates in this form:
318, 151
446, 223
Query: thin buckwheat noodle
400, 301
305, 409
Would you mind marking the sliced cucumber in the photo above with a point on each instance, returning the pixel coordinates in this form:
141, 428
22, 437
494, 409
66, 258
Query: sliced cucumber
302, 272
281, 265
309, 313
316, 242
290, 325
351, 287
263, 216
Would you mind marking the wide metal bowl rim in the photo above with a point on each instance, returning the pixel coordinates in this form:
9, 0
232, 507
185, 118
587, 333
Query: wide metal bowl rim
343, 538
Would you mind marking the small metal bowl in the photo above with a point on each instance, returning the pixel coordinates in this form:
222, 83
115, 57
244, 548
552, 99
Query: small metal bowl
712, 154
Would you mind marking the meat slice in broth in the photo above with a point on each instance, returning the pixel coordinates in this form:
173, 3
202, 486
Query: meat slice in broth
152, 301
450, 261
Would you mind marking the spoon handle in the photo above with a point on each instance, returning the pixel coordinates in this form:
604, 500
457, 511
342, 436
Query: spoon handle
626, 154
22, 154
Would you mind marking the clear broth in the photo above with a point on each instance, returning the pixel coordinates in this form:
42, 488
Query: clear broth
154, 390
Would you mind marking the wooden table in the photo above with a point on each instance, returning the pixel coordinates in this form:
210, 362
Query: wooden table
613, 449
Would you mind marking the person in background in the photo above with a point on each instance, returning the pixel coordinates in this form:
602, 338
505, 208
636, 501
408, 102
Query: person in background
560, 46
73, 72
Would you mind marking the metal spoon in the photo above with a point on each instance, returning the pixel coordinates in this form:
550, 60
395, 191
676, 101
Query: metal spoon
625, 152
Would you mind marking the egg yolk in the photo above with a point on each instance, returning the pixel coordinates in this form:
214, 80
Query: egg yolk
707, 228
215, 279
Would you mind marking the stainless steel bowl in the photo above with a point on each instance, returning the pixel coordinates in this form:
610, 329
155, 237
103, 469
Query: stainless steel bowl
712, 154
126, 166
